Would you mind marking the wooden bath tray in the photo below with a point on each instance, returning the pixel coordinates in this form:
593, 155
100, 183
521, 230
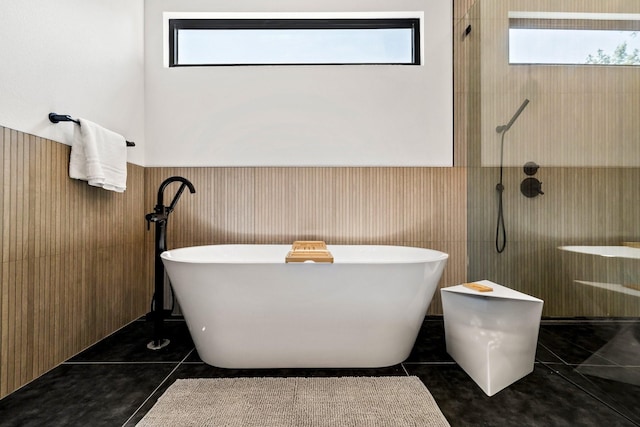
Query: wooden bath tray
309, 250
478, 287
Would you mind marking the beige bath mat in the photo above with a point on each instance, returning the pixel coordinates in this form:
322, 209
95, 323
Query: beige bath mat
296, 402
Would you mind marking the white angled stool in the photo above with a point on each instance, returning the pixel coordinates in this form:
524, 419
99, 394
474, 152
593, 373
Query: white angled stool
492, 335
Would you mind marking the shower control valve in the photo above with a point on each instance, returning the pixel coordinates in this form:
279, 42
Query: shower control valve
531, 187
530, 168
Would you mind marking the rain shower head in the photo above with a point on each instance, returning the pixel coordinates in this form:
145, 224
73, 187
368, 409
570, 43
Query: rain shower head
506, 127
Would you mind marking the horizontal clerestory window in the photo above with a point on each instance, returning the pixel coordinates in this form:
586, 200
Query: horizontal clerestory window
574, 39
214, 42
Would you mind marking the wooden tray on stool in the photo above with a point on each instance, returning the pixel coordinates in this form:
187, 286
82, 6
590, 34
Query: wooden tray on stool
309, 250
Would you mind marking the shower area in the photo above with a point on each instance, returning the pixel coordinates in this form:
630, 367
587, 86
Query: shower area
575, 246
573, 243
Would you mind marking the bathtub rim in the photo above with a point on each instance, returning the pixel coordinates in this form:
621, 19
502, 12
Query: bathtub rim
434, 255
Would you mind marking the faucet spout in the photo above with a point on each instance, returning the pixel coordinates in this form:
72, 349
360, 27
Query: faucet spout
166, 182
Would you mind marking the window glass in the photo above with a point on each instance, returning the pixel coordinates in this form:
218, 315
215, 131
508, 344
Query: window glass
292, 42
574, 41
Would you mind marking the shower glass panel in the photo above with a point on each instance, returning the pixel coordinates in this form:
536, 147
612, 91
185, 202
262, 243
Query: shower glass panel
577, 245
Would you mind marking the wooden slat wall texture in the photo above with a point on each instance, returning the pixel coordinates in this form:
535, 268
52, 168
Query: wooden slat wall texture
581, 206
579, 118
74, 262
72, 258
422, 207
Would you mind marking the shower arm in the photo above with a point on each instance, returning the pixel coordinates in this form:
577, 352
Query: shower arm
504, 128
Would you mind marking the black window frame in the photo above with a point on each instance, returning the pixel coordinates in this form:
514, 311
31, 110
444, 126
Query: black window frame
175, 25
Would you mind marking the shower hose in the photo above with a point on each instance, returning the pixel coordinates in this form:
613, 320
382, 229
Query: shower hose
501, 232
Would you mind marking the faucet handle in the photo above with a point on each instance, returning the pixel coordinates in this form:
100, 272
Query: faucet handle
155, 217
148, 217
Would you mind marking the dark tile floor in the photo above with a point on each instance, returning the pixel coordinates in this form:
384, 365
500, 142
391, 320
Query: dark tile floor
587, 373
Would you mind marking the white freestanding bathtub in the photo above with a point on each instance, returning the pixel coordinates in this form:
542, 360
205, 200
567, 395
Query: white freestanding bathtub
246, 308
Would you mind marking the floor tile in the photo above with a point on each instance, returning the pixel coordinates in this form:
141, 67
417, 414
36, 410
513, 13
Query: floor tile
130, 344
430, 344
617, 387
543, 398
575, 343
83, 395
546, 355
587, 373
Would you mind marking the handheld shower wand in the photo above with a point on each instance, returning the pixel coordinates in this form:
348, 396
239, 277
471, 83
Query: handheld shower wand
506, 127
500, 228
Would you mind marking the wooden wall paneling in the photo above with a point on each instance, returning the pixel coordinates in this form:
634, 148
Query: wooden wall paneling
418, 209
315, 203
4, 315
368, 205
450, 202
133, 238
238, 205
8, 337
581, 206
275, 207
239, 209
454, 272
3, 183
461, 8
294, 204
422, 207
630, 190
63, 285
276, 194
10, 203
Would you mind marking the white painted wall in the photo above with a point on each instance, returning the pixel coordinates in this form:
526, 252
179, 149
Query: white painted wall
300, 115
87, 59
76, 57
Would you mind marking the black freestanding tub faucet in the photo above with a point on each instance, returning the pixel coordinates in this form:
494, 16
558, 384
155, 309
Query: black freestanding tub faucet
160, 217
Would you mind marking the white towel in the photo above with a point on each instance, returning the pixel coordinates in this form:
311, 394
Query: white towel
99, 156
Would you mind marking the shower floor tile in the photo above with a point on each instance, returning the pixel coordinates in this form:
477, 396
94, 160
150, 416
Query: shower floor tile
587, 373
617, 387
598, 342
542, 398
